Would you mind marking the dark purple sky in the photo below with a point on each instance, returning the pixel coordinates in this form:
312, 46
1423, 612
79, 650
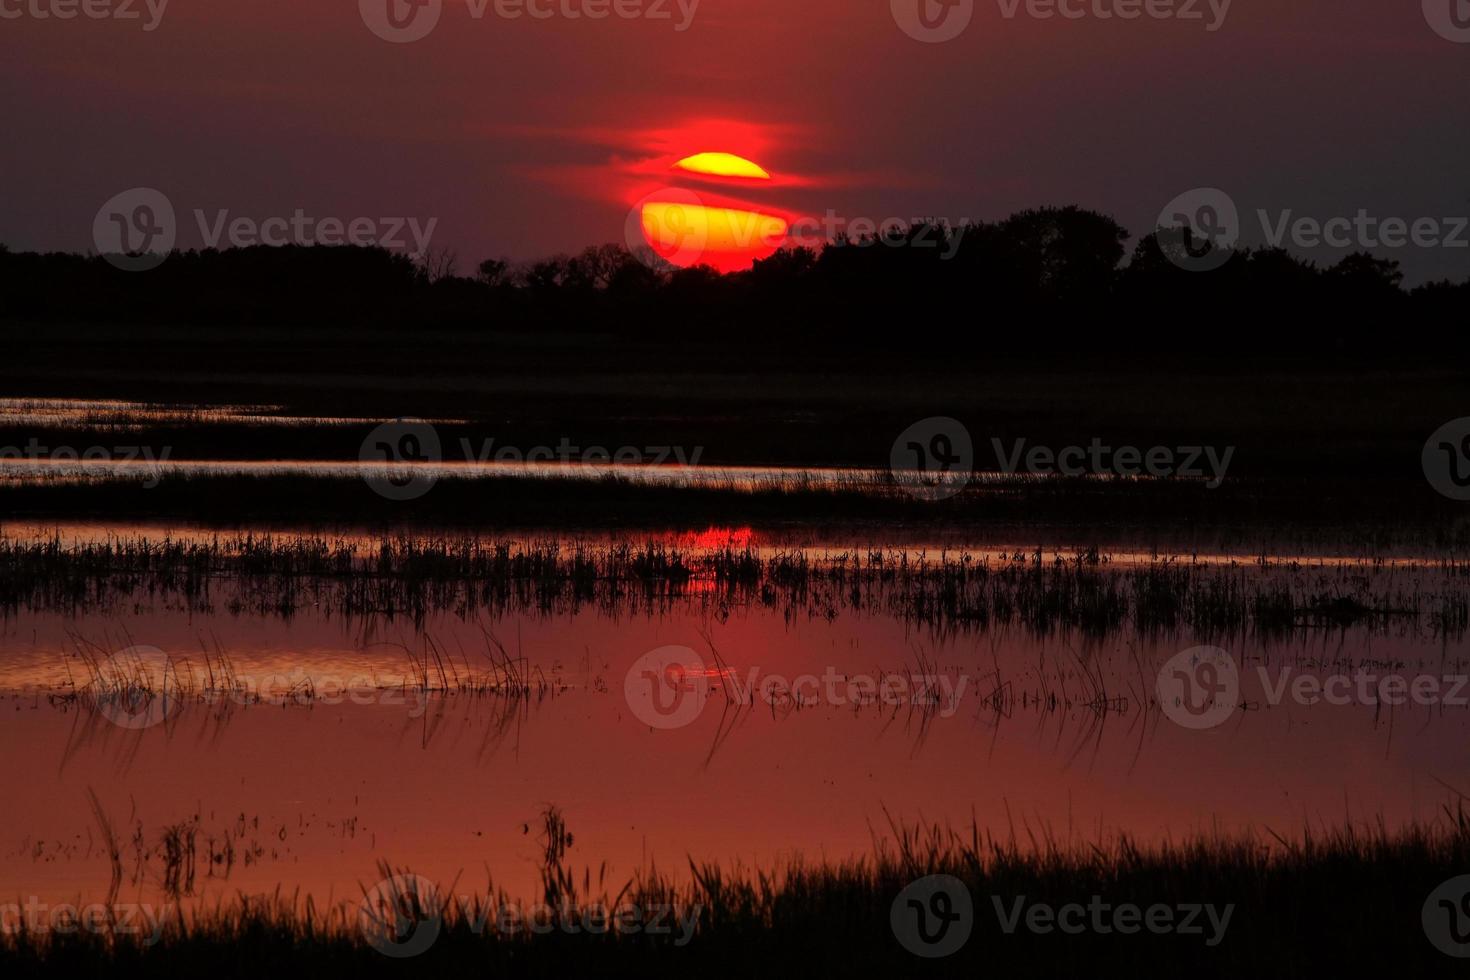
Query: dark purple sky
523, 137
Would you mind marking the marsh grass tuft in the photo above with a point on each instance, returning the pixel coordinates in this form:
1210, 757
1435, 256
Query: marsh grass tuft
412, 578
1321, 900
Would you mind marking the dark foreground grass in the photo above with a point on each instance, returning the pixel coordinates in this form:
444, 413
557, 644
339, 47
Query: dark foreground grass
1343, 902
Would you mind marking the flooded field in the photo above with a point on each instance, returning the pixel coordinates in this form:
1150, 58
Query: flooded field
246, 726
256, 692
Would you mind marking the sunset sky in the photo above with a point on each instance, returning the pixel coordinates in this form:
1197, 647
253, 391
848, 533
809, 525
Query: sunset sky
525, 137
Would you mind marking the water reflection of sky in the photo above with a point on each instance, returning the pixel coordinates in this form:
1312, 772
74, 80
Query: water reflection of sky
1053, 734
118, 414
445, 785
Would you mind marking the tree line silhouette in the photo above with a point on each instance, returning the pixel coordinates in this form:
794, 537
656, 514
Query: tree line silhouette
1027, 282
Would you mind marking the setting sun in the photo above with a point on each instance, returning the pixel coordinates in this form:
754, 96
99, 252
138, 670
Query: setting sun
700, 225
686, 233
722, 165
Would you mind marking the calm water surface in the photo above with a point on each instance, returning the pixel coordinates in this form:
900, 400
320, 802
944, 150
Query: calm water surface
350, 740
1056, 735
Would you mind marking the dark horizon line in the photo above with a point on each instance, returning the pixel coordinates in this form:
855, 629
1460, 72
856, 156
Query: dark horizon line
889, 234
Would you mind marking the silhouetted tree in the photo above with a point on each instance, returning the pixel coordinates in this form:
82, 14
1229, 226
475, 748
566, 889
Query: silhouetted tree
1065, 254
493, 272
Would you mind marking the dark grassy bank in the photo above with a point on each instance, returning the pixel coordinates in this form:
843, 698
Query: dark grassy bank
1334, 902
1358, 412
1362, 513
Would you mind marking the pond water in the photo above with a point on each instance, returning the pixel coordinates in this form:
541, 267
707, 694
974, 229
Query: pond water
297, 751
188, 733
